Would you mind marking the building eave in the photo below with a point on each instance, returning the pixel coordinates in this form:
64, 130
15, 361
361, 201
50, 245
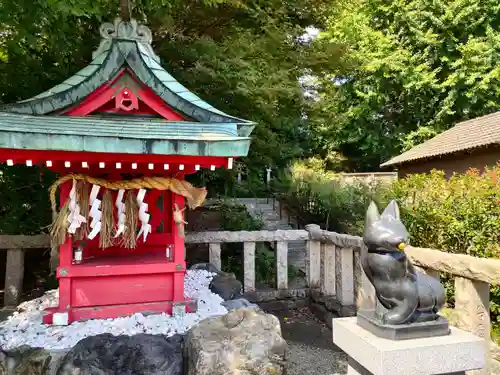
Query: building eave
114, 54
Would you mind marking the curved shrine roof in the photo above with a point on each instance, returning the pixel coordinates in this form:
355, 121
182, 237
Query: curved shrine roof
36, 123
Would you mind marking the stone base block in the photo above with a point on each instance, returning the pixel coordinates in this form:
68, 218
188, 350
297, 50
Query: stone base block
368, 354
367, 320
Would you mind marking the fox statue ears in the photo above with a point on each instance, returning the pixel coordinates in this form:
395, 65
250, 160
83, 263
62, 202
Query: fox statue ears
390, 212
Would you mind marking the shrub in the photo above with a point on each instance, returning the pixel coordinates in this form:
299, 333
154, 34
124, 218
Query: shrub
315, 196
458, 215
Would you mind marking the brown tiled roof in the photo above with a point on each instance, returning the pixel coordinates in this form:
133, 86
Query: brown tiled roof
467, 135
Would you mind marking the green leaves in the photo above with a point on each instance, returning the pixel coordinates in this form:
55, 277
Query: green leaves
238, 55
409, 64
24, 200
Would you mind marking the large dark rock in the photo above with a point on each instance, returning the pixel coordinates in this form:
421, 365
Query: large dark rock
125, 355
226, 286
205, 267
242, 342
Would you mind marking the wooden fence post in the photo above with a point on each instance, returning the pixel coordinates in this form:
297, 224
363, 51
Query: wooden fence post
249, 266
472, 305
328, 283
282, 264
345, 276
14, 275
214, 255
314, 254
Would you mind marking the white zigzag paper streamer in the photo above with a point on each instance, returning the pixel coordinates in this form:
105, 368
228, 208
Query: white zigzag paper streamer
143, 215
74, 218
95, 212
120, 208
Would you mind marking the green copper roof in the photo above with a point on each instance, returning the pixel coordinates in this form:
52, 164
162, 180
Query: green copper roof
123, 44
134, 136
35, 124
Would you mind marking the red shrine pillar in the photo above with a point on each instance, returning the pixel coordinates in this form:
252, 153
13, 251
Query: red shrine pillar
65, 262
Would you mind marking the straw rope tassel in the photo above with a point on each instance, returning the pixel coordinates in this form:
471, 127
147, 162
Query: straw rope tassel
179, 219
194, 196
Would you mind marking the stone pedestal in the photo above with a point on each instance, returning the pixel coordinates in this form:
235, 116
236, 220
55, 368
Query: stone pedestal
455, 353
368, 320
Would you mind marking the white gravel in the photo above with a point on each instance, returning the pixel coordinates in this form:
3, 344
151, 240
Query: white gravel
25, 326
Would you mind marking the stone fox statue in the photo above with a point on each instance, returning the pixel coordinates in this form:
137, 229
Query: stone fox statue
407, 296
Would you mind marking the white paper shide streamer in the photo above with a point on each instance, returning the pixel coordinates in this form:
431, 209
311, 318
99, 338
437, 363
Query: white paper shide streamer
95, 212
74, 218
120, 208
143, 215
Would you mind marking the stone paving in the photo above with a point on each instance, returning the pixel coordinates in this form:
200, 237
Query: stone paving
311, 350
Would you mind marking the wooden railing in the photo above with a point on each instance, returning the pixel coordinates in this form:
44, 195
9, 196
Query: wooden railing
14, 269
473, 278
323, 273
249, 240
333, 270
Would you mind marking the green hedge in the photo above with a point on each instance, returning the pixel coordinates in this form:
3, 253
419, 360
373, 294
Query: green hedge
456, 215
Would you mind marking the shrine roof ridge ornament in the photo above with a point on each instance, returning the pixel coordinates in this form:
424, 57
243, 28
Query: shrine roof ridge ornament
125, 30
50, 121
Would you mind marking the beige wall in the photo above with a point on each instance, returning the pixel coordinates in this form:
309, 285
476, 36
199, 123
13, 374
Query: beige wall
369, 177
459, 163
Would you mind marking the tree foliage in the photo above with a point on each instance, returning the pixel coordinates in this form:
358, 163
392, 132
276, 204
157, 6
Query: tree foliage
413, 68
240, 55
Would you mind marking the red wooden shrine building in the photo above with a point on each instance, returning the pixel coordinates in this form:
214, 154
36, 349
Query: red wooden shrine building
121, 117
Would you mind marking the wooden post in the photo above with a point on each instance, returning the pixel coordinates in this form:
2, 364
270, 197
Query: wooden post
14, 275
214, 255
249, 266
314, 254
472, 305
345, 278
328, 282
282, 264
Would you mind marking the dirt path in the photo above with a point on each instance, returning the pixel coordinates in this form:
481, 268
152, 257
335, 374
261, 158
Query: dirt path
311, 350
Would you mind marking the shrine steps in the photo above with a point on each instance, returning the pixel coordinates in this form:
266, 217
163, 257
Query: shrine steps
265, 209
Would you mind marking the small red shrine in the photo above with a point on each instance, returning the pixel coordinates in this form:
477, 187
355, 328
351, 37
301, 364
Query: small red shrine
122, 133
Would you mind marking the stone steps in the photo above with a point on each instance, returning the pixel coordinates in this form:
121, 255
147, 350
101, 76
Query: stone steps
263, 209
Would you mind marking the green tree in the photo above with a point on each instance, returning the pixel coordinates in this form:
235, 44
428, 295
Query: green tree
239, 55
408, 64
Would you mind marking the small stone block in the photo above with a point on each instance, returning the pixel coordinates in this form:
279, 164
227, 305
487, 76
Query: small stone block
454, 353
179, 309
367, 320
60, 319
